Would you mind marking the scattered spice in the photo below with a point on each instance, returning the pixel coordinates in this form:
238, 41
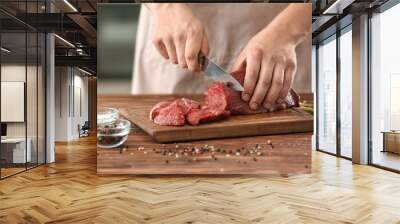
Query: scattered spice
189, 153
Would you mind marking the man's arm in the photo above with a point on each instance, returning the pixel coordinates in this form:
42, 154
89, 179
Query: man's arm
270, 57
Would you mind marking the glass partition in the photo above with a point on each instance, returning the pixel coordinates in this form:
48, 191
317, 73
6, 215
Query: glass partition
327, 96
346, 93
41, 97
31, 97
385, 89
14, 153
22, 67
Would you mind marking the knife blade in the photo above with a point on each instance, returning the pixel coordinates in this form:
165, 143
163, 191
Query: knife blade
217, 73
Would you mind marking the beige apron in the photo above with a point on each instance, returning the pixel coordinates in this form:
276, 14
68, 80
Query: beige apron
229, 27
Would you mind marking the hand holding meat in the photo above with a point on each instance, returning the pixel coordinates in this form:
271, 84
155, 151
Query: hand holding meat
270, 58
178, 35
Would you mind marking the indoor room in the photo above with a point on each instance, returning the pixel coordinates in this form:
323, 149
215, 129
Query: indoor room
46, 97
87, 135
22, 99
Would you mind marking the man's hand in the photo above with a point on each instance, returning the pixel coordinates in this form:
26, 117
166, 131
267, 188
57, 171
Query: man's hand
178, 34
270, 58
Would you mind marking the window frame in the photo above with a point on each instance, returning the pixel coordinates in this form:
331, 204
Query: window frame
333, 37
378, 10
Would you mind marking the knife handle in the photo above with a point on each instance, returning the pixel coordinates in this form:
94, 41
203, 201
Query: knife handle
201, 59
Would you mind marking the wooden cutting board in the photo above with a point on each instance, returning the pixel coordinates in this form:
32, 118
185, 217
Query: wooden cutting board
292, 120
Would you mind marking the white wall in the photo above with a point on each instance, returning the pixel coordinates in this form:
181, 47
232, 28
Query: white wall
11, 73
70, 83
33, 127
15, 72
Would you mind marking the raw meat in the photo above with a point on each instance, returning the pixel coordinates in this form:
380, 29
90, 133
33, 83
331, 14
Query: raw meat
205, 114
215, 108
172, 112
220, 101
187, 104
156, 109
171, 115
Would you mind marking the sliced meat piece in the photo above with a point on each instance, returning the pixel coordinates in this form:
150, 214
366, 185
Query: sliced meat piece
155, 110
206, 114
187, 104
217, 96
216, 102
171, 115
172, 112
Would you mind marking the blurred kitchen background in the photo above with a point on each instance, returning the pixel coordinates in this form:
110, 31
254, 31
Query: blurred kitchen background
117, 27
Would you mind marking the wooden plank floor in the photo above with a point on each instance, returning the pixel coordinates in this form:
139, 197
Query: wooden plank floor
70, 191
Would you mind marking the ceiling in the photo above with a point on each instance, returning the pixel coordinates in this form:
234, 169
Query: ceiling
76, 22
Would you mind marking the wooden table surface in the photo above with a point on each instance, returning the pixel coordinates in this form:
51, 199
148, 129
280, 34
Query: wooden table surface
274, 154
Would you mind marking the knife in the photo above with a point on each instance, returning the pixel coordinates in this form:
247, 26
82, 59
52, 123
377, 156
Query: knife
216, 73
